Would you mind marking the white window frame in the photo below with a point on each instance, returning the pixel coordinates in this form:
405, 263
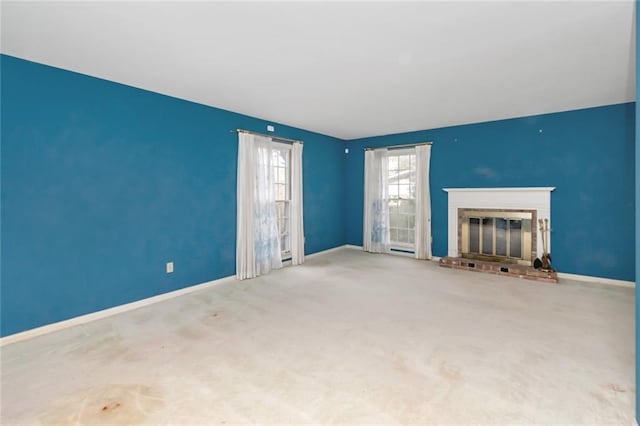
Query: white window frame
286, 232
398, 247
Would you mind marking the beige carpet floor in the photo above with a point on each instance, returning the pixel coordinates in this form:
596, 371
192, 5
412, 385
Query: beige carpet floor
347, 338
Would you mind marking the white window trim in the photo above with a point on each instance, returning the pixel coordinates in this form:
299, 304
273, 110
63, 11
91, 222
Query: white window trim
406, 249
286, 255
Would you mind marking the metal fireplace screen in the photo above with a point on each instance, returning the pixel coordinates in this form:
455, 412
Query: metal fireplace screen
498, 235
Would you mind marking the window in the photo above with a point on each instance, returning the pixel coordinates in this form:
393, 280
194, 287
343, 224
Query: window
269, 219
397, 206
281, 164
401, 166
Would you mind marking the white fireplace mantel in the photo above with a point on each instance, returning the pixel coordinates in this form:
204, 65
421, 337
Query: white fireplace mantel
533, 189
538, 199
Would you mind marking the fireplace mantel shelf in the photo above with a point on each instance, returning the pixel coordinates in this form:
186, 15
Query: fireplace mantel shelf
532, 189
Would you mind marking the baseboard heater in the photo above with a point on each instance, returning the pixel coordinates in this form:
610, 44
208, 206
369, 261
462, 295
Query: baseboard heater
402, 250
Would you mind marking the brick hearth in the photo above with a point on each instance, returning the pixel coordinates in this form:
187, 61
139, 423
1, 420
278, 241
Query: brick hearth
508, 269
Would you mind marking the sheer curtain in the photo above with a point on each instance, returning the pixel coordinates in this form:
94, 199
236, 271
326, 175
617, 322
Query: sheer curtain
423, 203
376, 203
297, 226
258, 239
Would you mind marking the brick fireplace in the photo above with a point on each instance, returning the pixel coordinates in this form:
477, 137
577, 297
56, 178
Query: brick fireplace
495, 230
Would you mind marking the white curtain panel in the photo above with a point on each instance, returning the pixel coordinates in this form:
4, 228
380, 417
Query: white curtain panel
265, 214
258, 239
245, 253
296, 214
423, 203
376, 203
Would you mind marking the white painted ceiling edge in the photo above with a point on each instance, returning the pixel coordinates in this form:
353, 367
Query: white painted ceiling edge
348, 70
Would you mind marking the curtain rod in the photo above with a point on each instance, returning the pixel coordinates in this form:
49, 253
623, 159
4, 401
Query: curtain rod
406, 145
274, 138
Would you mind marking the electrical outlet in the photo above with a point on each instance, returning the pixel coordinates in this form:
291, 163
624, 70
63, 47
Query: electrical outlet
270, 129
169, 267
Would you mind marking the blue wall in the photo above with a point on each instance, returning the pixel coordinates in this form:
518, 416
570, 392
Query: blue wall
587, 154
102, 184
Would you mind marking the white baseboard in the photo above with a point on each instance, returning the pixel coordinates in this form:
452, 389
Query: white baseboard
600, 280
354, 247
575, 277
319, 253
351, 246
93, 316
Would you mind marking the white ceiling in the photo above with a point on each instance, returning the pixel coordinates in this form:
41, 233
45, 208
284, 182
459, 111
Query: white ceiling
345, 69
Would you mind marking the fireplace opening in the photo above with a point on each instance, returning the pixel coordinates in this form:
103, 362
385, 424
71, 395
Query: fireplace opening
497, 235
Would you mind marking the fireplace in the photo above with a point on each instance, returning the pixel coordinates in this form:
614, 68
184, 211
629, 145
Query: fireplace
498, 235
494, 230
534, 200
